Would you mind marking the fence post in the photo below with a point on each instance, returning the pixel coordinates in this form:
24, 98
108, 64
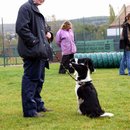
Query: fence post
3, 42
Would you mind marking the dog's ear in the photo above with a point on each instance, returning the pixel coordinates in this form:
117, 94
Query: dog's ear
72, 60
91, 65
86, 62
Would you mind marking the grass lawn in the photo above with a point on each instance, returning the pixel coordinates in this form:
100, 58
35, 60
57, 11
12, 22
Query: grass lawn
58, 94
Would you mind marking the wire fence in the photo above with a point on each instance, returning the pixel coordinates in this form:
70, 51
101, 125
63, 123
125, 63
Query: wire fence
88, 39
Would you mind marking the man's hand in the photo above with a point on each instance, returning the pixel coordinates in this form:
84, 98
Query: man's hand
48, 35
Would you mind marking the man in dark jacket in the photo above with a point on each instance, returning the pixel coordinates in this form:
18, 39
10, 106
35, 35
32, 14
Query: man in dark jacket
33, 35
125, 61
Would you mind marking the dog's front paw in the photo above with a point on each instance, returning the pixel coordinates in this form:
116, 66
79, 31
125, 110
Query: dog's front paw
79, 112
106, 114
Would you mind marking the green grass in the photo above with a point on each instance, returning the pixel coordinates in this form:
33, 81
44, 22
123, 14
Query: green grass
58, 94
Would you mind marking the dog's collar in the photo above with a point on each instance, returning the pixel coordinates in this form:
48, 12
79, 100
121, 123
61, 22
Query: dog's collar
83, 83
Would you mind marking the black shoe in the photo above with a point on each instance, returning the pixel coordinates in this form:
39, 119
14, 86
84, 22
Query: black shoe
62, 72
35, 115
38, 115
45, 110
123, 74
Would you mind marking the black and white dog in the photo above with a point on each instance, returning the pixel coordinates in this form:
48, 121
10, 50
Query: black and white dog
88, 103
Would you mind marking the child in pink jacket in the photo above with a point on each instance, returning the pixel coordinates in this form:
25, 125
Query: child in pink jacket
65, 40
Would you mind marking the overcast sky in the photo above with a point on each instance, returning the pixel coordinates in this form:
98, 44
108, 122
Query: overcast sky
63, 9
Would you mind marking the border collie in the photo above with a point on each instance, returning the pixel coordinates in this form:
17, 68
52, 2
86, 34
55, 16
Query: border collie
88, 103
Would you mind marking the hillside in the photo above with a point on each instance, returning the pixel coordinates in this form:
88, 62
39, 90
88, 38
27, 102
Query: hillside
86, 20
8, 28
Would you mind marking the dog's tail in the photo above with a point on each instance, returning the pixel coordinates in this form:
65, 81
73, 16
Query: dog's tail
107, 114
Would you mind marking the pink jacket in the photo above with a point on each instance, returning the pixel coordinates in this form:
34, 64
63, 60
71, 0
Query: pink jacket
65, 40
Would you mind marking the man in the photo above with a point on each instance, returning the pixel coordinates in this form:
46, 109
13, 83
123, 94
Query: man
125, 61
32, 32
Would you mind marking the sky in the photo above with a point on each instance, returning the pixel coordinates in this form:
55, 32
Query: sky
63, 9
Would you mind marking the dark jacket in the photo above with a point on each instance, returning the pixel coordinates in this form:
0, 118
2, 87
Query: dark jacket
126, 29
31, 29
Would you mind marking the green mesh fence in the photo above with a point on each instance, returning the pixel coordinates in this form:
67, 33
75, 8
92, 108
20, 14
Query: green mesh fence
95, 46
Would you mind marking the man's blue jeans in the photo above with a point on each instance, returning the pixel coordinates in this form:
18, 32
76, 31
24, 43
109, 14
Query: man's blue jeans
125, 63
32, 81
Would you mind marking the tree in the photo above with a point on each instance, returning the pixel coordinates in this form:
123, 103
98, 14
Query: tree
112, 14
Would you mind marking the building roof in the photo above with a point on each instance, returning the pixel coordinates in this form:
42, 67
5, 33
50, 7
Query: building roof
120, 17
